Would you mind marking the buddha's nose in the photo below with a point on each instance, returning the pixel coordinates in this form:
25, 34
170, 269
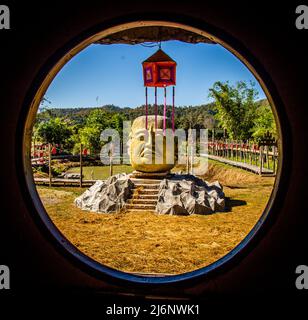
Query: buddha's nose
149, 139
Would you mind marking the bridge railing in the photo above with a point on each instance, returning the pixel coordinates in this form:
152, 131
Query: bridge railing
265, 157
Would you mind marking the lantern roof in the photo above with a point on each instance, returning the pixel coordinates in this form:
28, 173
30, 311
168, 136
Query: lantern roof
159, 56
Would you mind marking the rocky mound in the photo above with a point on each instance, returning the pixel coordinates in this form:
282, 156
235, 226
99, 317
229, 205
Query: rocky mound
178, 195
106, 196
186, 195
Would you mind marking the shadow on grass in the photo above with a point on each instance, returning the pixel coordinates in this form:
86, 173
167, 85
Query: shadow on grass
230, 203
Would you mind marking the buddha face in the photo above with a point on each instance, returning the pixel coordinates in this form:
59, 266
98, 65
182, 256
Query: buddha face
147, 147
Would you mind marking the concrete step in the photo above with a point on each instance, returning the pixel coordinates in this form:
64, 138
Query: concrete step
153, 192
146, 196
143, 201
138, 210
149, 175
146, 186
140, 207
145, 181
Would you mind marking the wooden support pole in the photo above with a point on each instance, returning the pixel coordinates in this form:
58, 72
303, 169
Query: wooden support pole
192, 148
274, 160
241, 151
110, 161
80, 166
187, 158
256, 157
227, 148
111, 168
49, 164
261, 159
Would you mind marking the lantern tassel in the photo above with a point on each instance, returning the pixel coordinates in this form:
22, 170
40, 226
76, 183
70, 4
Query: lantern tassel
173, 107
155, 107
146, 108
165, 107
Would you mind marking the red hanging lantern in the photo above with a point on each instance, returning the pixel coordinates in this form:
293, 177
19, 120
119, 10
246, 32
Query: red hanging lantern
159, 70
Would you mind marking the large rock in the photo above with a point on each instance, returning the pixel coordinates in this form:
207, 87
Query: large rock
106, 196
186, 195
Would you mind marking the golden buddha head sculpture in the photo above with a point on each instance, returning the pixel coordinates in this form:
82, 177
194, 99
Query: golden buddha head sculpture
148, 149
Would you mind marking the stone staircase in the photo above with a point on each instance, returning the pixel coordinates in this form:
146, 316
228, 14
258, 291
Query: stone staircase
145, 195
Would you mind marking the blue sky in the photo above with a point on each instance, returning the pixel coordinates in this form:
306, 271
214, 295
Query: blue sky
112, 74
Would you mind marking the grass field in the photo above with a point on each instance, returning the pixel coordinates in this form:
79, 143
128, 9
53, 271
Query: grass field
101, 172
151, 243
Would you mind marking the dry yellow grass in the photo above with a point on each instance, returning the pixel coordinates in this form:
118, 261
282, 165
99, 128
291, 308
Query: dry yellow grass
151, 243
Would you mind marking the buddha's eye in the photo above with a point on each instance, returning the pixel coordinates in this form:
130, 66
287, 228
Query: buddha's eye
139, 137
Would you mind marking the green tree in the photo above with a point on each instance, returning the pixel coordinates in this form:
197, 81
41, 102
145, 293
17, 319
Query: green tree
191, 118
96, 122
55, 130
90, 138
264, 122
116, 122
235, 107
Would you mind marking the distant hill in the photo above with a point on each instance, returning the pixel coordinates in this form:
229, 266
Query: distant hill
79, 115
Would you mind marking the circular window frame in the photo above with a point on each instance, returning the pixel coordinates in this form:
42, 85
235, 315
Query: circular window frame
39, 213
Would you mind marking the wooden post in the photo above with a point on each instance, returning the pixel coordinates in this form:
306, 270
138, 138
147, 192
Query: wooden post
261, 159
256, 157
227, 148
49, 163
274, 160
111, 168
246, 153
80, 166
187, 158
213, 141
110, 161
192, 156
